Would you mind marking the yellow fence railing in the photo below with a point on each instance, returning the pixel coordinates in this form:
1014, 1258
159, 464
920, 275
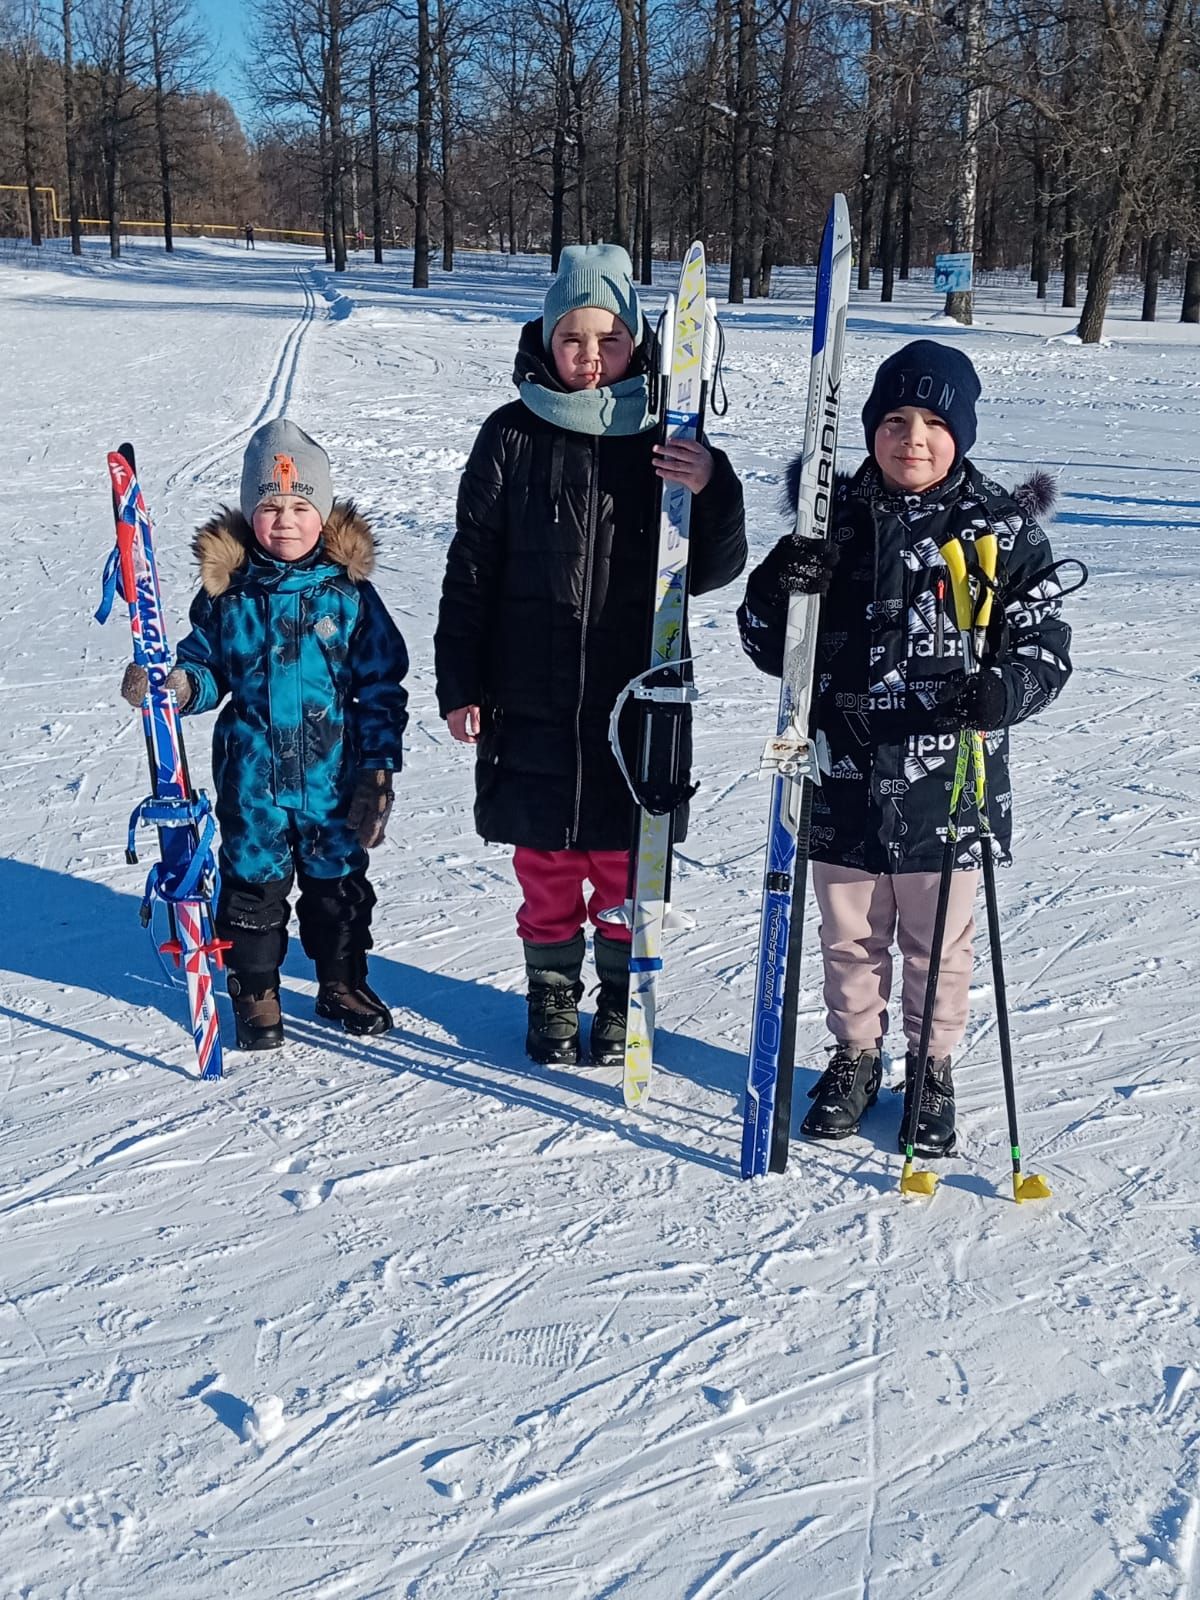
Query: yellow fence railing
183, 225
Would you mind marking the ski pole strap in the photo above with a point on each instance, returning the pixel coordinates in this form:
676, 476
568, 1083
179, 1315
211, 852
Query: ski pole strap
111, 585
960, 780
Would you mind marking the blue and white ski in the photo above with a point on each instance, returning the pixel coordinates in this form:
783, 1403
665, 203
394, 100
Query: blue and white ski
789, 758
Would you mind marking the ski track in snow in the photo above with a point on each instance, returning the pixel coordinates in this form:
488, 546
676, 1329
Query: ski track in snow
526, 1343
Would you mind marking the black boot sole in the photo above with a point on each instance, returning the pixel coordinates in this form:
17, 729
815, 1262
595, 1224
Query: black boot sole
565, 1055
360, 1027
260, 1038
821, 1134
929, 1152
607, 1056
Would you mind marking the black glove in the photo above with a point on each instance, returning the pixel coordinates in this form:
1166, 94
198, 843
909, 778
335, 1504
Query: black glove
796, 566
370, 806
978, 702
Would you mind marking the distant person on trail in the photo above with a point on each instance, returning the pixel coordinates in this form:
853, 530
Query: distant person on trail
890, 700
304, 752
249, 236
545, 617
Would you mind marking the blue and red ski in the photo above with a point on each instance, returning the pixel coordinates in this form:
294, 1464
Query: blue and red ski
185, 877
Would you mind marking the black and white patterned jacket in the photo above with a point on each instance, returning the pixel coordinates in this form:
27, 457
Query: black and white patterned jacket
887, 642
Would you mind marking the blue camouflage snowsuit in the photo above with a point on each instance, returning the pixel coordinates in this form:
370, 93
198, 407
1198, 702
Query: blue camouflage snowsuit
312, 666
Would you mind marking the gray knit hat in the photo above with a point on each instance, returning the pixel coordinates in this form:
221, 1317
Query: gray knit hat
593, 275
282, 459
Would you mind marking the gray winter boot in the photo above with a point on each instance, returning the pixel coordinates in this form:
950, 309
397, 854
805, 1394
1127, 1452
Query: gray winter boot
607, 1043
554, 994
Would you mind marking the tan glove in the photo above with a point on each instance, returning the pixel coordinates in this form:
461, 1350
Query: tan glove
136, 683
371, 806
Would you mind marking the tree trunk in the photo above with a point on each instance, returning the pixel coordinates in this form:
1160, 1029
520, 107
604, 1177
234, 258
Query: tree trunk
959, 302
1154, 257
376, 184
1070, 236
325, 162
743, 137
646, 274
781, 150
866, 182
887, 228
337, 147
160, 130
445, 88
1117, 207
112, 96
1191, 290
1039, 266
558, 156
621, 207
70, 130
420, 274
35, 217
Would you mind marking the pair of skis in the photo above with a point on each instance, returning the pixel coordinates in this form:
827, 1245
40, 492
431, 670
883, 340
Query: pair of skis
687, 346
185, 877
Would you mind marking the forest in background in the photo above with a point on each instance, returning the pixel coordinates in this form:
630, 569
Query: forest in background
1061, 137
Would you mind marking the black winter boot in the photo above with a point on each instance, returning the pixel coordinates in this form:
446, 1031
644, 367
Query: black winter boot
555, 990
344, 996
934, 1134
255, 997
607, 1042
849, 1084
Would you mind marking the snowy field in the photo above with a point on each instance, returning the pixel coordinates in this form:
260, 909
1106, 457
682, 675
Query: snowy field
412, 1317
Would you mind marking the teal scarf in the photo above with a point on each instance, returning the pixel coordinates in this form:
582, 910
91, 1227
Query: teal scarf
623, 408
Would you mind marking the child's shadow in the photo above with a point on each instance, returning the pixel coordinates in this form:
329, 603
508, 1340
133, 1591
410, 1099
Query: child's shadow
67, 931
477, 1026
71, 932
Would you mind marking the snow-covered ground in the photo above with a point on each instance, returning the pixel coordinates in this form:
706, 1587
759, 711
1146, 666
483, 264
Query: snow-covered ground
412, 1317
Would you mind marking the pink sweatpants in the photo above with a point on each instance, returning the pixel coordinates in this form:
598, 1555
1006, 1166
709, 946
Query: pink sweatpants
552, 881
861, 914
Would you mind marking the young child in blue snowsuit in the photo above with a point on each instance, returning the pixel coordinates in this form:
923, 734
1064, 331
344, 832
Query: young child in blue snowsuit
289, 633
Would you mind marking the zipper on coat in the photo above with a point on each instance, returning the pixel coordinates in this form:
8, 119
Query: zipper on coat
938, 637
589, 559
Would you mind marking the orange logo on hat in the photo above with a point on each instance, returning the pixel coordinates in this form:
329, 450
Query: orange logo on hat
285, 475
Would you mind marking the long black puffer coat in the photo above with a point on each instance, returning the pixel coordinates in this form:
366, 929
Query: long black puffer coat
546, 608
887, 637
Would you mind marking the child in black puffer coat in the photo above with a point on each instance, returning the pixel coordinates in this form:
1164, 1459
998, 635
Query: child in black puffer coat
545, 617
890, 700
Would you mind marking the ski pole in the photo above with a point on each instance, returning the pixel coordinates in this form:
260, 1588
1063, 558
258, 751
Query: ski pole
971, 626
1033, 1186
924, 1182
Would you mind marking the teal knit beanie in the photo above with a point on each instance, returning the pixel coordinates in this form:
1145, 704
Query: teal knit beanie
593, 275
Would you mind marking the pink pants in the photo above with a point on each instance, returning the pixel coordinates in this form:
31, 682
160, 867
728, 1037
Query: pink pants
552, 881
861, 914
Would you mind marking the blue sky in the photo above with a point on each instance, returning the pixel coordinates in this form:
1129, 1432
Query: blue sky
225, 20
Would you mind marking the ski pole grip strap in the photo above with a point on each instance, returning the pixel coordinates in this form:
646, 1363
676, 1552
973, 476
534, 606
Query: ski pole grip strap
111, 584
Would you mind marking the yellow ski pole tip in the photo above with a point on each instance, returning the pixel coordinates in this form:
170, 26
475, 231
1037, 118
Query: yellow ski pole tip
911, 1182
1033, 1187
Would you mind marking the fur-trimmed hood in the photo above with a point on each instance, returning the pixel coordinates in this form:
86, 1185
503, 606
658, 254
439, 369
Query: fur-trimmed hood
222, 546
1036, 496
